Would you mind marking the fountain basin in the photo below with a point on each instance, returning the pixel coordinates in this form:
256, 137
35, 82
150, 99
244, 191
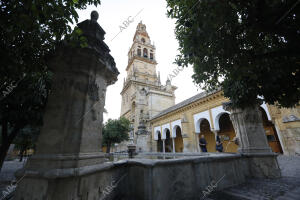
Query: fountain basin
185, 177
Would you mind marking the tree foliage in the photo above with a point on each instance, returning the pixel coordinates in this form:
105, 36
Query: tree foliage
29, 32
23, 106
26, 139
115, 131
249, 48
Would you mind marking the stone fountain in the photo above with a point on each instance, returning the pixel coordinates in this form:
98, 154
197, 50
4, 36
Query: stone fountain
68, 148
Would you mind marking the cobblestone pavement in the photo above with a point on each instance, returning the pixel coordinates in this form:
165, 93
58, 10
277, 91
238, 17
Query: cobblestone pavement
285, 188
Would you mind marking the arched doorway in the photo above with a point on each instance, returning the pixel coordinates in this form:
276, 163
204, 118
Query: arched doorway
178, 140
208, 135
271, 132
159, 143
227, 133
168, 142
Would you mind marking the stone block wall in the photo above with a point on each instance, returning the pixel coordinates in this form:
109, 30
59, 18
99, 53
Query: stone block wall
186, 178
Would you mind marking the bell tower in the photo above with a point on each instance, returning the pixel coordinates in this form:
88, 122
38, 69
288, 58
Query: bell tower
143, 95
141, 55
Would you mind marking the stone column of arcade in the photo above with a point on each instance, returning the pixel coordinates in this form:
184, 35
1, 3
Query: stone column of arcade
252, 141
173, 145
69, 146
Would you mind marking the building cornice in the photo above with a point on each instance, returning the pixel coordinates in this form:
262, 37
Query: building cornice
140, 43
127, 111
154, 88
208, 97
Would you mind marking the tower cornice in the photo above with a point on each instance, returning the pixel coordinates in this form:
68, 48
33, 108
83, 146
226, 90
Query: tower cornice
147, 60
143, 44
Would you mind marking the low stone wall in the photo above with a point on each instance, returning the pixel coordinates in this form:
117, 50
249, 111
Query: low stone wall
149, 179
184, 178
190, 178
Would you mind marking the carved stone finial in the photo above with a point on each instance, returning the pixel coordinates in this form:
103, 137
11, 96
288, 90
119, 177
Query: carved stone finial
94, 16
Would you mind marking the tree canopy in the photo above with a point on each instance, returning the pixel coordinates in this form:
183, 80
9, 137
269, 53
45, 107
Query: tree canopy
26, 139
249, 48
115, 131
23, 106
29, 33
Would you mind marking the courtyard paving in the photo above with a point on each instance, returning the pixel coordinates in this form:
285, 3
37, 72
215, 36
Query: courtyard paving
285, 188
7, 173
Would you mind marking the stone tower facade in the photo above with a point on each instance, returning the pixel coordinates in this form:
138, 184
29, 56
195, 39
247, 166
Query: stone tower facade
143, 95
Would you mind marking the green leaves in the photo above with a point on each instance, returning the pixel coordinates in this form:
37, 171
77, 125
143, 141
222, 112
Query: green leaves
76, 38
236, 45
27, 137
116, 131
29, 33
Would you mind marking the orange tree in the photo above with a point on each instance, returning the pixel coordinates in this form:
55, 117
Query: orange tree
249, 48
29, 33
115, 131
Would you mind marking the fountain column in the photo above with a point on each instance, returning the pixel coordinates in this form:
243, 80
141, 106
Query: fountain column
69, 146
252, 140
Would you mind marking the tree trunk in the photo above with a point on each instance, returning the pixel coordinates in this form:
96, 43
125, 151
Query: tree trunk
108, 148
22, 154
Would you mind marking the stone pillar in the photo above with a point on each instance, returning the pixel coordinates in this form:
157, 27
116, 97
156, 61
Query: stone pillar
70, 141
249, 129
196, 139
253, 141
164, 150
173, 145
143, 136
188, 145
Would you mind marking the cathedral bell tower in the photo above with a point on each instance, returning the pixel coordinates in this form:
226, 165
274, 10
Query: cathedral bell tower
141, 56
143, 95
